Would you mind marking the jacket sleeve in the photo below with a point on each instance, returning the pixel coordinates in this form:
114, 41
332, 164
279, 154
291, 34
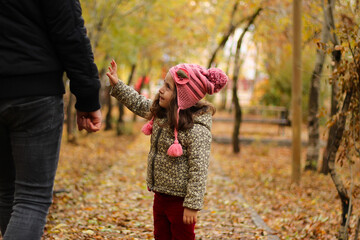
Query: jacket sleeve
135, 102
199, 143
67, 32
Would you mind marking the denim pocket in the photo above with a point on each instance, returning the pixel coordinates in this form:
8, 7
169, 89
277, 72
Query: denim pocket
37, 115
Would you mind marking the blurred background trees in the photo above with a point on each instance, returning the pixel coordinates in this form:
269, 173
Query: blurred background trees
252, 42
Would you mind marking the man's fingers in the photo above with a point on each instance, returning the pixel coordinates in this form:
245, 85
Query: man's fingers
90, 121
81, 122
91, 126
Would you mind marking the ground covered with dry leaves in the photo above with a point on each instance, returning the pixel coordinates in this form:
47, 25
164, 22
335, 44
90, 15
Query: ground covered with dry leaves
262, 173
100, 191
101, 194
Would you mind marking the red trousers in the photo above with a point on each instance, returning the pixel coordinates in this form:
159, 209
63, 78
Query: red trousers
168, 214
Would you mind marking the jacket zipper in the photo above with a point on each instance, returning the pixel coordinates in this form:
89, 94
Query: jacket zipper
153, 159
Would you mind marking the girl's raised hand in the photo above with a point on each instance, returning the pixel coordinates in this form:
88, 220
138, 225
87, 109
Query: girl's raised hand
112, 74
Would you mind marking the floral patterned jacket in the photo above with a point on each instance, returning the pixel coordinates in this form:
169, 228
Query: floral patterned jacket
183, 176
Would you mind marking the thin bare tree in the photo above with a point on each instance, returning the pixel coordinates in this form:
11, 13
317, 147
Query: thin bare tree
235, 98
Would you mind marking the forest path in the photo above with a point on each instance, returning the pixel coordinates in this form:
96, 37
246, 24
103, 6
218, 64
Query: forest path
115, 203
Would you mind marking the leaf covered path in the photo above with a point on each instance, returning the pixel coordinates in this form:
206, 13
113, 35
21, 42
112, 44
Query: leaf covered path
102, 194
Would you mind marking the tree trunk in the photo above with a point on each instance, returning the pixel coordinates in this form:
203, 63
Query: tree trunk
235, 98
312, 155
336, 131
101, 22
71, 120
231, 29
226, 36
296, 94
238, 114
108, 117
335, 143
224, 93
336, 57
120, 122
238, 117
332, 130
357, 229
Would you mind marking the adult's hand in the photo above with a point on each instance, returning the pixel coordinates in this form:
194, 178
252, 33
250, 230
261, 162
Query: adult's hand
90, 121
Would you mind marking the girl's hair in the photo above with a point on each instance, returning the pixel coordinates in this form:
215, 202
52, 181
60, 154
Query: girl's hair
186, 116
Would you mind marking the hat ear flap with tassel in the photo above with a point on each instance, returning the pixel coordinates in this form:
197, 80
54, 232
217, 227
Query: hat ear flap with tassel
147, 128
175, 150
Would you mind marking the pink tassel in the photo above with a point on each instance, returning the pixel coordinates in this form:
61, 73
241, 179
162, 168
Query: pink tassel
175, 150
147, 128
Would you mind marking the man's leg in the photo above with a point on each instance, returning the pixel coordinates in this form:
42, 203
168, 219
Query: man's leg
35, 134
7, 177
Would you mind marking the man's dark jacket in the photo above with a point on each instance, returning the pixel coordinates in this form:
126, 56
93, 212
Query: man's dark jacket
39, 40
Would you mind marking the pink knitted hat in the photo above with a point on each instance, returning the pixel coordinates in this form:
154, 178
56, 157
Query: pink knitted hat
192, 83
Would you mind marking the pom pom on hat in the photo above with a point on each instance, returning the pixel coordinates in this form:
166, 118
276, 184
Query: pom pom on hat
217, 77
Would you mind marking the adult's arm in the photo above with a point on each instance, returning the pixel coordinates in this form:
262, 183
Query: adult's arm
67, 32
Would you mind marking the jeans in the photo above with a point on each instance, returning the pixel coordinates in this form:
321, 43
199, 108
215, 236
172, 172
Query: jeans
168, 214
30, 136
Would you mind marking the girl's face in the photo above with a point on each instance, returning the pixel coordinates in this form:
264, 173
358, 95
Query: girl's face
167, 91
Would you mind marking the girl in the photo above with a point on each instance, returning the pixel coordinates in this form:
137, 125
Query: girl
180, 127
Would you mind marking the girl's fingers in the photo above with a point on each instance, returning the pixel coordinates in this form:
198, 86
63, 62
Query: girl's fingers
113, 63
112, 72
188, 220
113, 79
110, 76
